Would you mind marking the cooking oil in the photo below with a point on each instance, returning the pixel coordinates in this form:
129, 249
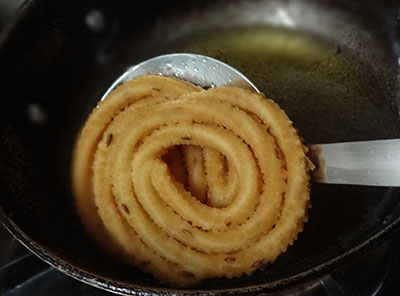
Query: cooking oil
329, 92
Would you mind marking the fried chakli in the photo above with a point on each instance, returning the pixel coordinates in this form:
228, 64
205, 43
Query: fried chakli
190, 184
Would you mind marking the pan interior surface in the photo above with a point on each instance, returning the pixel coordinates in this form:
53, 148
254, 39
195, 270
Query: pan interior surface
332, 96
335, 86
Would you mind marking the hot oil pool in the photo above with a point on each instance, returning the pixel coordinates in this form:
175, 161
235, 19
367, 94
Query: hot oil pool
328, 92
332, 96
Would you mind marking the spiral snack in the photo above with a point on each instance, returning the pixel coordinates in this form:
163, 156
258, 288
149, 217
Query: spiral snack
190, 184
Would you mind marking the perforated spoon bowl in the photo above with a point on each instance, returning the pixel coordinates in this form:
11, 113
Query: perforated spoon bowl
374, 163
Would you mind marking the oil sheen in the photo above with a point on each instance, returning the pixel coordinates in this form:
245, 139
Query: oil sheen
327, 91
331, 95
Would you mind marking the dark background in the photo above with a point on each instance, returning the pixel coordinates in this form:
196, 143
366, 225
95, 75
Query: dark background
21, 273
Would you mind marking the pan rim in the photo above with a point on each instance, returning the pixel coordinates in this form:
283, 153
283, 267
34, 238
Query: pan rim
124, 288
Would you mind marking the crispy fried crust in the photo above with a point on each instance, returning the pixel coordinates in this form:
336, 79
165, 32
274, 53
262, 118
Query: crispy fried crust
245, 158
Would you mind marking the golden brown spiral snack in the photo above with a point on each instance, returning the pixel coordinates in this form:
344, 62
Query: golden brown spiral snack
152, 141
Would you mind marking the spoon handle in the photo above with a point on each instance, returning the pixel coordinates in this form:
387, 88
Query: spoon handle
374, 163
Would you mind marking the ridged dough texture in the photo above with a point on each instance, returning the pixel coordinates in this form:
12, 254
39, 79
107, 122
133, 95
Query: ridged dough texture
189, 184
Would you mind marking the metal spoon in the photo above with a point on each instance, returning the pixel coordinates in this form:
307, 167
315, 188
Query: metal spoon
375, 163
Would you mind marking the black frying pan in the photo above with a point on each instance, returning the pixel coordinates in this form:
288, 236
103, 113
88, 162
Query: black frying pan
58, 57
